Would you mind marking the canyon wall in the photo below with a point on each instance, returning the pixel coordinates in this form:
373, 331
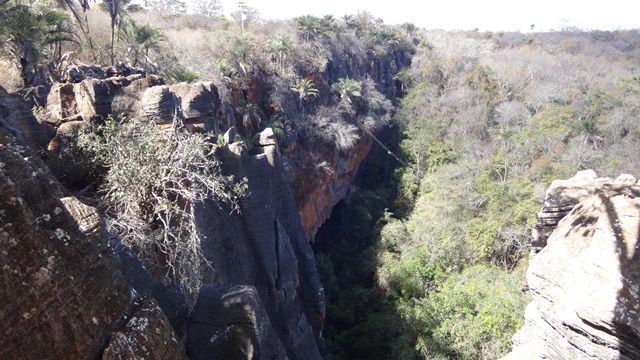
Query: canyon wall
585, 272
72, 290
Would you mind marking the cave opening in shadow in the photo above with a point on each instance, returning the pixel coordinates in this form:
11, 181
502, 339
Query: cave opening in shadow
361, 323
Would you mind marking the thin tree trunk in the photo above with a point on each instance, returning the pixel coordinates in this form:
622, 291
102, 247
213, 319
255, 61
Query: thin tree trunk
113, 36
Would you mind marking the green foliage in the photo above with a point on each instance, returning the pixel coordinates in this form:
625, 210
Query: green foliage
154, 179
470, 315
28, 33
251, 120
306, 89
348, 89
141, 39
183, 74
275, 123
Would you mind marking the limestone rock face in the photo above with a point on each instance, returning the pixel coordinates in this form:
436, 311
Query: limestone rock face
586, 281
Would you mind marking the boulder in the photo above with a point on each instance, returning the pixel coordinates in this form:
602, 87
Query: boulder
145, 335
231, 323
126, 100
200, 105
160, 105
585, 282
266, 138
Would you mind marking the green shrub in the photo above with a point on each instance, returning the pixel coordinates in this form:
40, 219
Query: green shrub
183, 74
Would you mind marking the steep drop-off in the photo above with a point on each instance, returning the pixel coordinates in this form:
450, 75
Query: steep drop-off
91, 297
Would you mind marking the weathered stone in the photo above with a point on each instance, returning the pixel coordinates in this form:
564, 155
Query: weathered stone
160, 105
146, 335
21, 126
94, 96
231, 323
586, 281
126, 101
560, 199
61, 293
87, 218
200, 105
265, 247
229, 136
53, 302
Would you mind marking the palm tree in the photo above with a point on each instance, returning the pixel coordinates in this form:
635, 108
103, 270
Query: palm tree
281, 46
115, 12
305, 89
142, 39
251, 120
26, 32
348, 89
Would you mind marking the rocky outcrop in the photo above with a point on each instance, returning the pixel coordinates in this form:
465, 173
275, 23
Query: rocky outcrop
146, 335
263, 247
61, 293
231, 323
585, 281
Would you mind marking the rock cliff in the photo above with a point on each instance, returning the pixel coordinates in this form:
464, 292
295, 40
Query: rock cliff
85, 295
585, 279
61, 294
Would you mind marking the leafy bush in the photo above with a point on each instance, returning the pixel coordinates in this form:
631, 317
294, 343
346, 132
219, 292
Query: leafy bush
154, 180
470, 315
183, 74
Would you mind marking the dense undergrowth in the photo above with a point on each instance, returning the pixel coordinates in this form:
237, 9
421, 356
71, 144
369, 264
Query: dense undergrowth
489, 120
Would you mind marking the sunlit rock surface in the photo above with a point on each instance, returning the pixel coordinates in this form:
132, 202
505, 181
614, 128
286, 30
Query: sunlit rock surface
585, 281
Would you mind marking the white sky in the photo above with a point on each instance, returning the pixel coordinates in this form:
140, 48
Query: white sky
467, 14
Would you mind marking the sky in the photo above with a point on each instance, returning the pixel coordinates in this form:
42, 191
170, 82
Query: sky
485, 15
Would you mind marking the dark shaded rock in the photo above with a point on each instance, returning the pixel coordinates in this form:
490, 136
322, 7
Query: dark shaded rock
53, 302
160, 105
146, 335
585, 282
21, 126
200, 103
231, 323
69, 164
61, 293
265, 247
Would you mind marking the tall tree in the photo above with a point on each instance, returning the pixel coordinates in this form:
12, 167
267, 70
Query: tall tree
114, 9
245, 15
